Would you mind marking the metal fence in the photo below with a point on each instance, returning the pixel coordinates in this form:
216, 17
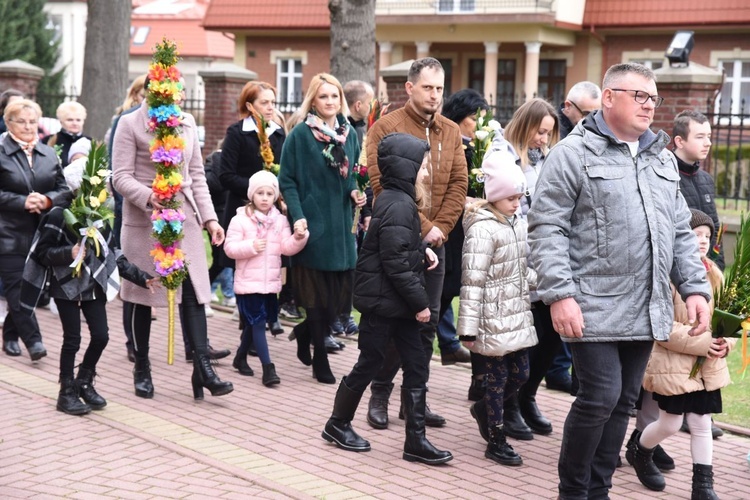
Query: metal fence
729, 160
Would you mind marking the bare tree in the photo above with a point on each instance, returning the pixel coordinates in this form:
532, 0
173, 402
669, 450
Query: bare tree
105, 63
353, 40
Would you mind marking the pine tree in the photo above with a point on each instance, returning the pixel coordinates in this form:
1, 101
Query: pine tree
24, 35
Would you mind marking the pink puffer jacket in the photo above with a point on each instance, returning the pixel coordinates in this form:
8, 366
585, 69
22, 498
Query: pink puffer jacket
259, 272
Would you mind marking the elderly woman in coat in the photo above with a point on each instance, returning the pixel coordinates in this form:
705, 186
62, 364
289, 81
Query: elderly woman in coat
31, 183
133, 174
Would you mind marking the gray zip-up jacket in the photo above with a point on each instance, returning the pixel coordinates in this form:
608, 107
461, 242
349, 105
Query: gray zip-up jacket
611, 230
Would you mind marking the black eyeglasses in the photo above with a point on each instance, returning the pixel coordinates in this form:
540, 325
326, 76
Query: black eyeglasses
583, 113
642, 97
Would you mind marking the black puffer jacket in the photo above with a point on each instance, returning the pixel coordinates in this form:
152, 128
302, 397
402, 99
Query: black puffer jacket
389, 279
699, 191
17, 181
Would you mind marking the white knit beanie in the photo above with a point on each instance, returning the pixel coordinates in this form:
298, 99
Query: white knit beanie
502, 176
264, 178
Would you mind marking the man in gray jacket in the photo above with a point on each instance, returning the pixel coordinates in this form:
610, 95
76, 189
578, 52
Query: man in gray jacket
608, 230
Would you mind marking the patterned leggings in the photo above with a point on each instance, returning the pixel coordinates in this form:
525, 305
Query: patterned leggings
505, 375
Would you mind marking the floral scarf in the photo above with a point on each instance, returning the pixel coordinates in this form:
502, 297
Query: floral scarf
28, 147
334, 153
264, 222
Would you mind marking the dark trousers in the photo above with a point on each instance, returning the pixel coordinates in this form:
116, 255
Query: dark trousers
610, 376
375, 333
95, 312
542, 354
254, 310
434, 287
192, 316
18, 323
505, 375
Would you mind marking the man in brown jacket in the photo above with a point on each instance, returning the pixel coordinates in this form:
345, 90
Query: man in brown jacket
445, 198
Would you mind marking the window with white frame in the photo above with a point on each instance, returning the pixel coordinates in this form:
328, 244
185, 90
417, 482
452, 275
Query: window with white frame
448, 6
735, 93
650, 63
289, 80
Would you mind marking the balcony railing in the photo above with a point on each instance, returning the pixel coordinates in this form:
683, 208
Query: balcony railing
427, 7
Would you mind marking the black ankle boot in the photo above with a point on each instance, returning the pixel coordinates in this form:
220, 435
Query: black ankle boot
240, 364
86, 391
377, 408
416, 446
499, 450
205, 376
643, 463
661, 459
531, 415
144, 387
67, 399
479, 411
703, 483
477, 389
513, 423
322, 369
269, 375
339, 429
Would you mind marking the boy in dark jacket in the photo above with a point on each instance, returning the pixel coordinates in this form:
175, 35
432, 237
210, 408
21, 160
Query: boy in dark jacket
390, 293
80, 288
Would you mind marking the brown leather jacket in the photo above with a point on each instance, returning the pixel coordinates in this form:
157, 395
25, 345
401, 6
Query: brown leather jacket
448, 180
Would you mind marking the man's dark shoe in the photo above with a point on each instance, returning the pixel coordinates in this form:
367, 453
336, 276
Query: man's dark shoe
215, 354
537, 422
337, 328
350, 327
331, 345
559, 384
431, 419
275, 328
513, 423
11, 348
460, 355
37, 351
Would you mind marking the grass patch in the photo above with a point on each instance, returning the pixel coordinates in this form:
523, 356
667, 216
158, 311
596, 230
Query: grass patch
736, 397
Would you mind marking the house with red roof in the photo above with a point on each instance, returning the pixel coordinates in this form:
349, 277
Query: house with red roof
507, 49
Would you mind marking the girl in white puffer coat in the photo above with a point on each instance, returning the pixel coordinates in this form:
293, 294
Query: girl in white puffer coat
256, 238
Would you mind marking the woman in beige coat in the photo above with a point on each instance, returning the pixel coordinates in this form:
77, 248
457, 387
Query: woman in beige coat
677, 393
133, 173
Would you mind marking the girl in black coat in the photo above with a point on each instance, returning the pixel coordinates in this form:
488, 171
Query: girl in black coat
390, 293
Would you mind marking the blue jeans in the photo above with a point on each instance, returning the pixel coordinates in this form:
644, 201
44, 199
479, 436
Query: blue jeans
225, 279
446, 333
560, 368
610, 376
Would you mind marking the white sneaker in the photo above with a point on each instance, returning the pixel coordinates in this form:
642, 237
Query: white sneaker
230, 302
3, 310
215, 298
53, 307
209, 311
236, 315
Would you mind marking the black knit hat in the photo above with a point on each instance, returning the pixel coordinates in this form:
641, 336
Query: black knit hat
701, 219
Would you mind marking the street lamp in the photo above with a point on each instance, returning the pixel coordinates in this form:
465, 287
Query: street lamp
679, 49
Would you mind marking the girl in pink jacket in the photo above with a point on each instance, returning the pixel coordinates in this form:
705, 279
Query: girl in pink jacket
257, 237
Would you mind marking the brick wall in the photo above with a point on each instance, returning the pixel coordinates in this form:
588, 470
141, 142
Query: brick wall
259, 55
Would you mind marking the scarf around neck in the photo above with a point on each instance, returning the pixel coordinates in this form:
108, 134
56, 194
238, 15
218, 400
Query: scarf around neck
28, 147
333, 153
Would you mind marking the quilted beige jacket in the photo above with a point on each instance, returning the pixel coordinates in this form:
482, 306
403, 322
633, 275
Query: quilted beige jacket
668, 370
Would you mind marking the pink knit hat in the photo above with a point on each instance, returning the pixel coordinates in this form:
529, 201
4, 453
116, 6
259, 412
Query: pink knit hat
264, 178
502, 176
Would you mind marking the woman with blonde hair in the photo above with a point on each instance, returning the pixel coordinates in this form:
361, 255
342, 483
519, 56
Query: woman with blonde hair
72, 116
320, 192
135, 96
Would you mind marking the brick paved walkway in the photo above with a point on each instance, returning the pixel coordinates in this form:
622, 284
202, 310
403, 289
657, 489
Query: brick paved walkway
265, 443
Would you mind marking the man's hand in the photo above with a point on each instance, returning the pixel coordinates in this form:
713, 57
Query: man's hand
432, 259
434, 237
567, 318
423, 316
216, 232
697, 310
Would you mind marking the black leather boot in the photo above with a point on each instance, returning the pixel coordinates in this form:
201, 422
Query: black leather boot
431, 419
477, 389
416, 446
513, 423
339, 429
269, 375
86, 391
499, 450
144, 387
479, 411
643, 463
67, 399
703, 483
662, 460
530, 413
302, 336
205, 376
240, 364
377, 408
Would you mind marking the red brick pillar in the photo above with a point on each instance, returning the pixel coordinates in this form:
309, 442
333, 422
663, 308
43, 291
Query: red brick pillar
223, 84
395, 78
20, 75
691, 87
